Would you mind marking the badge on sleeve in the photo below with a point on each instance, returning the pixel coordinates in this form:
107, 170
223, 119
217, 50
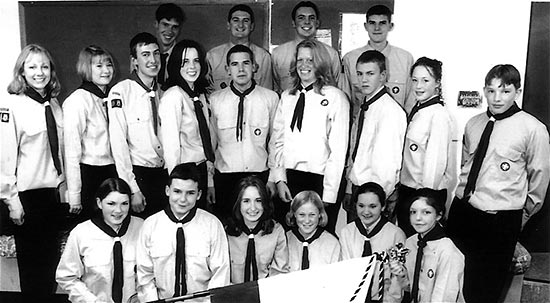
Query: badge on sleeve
257, 132
395, 90
324, 102
505, 166
413, 147
430, 273
116, 103
5, 117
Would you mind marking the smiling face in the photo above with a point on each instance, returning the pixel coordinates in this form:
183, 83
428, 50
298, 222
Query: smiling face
500, 96
147, 60
424, 84
305, 66
378, 27
251, 206
423, 216
241, 69
37, 72
167, 32
305, 22
114, 208
102, 71
307, 219
240, 25
182, 196
369, 208
370, 78
190, 66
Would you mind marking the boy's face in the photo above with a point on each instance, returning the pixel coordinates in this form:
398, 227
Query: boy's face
378, 27
241, 69
147, 60
305, 22
182, 196
240, 24
167, 31
370, 78
500, 96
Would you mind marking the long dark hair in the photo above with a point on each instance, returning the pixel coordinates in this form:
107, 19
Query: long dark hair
174, 65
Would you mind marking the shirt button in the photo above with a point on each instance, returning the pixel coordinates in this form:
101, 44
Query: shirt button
158, 146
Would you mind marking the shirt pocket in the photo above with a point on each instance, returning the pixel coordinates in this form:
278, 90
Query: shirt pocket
397, 90
417, 140
508, 164
227, 130
259, 131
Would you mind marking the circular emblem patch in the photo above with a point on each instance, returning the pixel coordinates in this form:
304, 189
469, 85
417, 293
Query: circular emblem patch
257, 132
324, 102
413, 147
505, 166
223, 85
430, 273
395, 90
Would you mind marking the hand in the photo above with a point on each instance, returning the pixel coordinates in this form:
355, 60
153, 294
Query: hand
397, 269
138, 202
17, 213
271, 189
284, 192
75, 208
211, 195
346, 202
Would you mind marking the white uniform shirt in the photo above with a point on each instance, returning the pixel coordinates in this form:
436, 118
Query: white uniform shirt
321, 146
217, 61
133, 140
25, 160
426, 153
250, 154
379, 153
398, 69
179, 128
86, 137
323, 250
86, 268
442, 272
206, 255
271, 254
283, 56
516, 169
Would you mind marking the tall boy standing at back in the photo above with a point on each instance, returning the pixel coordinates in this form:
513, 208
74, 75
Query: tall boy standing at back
169, 18
240, 23
504, 178
398, 62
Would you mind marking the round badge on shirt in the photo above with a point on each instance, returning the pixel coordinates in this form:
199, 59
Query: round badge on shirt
395, 90
223, 85
430, 273
257, 132
413, 147
505, 166
324, 102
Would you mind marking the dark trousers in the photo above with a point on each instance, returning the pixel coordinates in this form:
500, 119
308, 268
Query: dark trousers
92, 176
299, 181
152, 183
226, 191
487, 242
36, 244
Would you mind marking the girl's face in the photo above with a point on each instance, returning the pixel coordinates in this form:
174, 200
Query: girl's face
307, 219
423, 216
305, 67
251, 206
425, 86
190, 66
114, 207
37, 72
102, 71
369, 208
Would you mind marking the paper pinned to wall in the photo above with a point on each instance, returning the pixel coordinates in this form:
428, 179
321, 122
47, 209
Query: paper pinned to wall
353, 34
324, 35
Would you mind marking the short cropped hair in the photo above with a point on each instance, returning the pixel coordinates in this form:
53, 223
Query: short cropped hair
85, 57
184, 171
304, 197
169, 11
370, 187
373, 56
434, 198
379, 10
19, 85
239, 48
243, 8
305, 4
507, 73
143, 38
113, 185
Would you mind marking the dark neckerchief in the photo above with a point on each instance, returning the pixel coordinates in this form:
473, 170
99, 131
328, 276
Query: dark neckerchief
134, 76
508, 113
94, 89
436, 233
361, 120
306, 242
180, 287
250, 259
418, 106
298, 115
152, 92
240, 112
118, 261
51, 125
367, 248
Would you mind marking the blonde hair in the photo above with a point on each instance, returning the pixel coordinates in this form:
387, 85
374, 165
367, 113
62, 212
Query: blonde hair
304, 197
85, 60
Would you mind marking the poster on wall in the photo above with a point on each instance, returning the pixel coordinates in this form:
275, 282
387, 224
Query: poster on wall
469, 99
353, 34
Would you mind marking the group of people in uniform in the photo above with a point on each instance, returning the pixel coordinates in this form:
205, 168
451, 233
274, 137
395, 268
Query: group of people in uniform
204, 169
